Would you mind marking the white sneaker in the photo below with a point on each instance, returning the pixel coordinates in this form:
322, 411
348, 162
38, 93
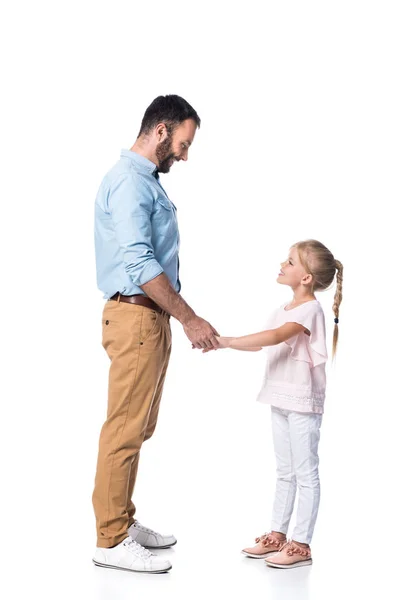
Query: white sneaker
130, 556
149, 538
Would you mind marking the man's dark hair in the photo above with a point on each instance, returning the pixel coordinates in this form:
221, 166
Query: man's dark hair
171, 110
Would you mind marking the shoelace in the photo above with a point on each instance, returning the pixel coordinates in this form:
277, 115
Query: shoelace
146, 529
137, 549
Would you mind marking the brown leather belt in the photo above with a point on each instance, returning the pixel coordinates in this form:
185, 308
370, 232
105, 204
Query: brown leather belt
138, 299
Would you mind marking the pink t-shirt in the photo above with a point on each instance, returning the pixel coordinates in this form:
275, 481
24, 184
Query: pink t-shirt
295, 373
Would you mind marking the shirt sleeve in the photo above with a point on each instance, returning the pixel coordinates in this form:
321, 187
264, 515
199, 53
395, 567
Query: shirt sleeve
130, 204
309, 348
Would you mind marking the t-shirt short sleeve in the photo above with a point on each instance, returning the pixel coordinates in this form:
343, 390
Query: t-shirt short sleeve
309, 348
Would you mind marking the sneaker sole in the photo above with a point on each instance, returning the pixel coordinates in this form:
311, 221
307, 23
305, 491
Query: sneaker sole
131, 570
301, 563
160, 547
259, 555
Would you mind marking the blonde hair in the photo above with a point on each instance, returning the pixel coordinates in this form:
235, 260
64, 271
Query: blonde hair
322, 265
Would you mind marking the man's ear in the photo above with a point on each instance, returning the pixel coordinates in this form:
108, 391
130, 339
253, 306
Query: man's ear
161, 132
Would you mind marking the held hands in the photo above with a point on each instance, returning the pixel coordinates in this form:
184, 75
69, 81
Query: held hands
201, 333
204, 337
223, 342
229, 342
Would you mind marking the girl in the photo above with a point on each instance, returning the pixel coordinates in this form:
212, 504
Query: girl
294, 386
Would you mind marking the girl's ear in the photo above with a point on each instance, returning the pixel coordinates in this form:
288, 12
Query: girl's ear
307, 279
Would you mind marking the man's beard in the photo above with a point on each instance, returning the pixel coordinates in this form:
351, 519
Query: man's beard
165, 155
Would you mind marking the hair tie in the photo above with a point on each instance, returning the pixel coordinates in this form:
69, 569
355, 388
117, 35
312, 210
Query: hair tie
336, 321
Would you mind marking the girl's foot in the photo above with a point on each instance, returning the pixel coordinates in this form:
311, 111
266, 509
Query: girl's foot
291, 555
266, 544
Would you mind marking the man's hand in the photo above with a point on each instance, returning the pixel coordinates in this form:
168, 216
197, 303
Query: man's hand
201, 333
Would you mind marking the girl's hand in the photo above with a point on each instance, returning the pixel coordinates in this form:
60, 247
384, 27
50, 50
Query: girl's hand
223, 342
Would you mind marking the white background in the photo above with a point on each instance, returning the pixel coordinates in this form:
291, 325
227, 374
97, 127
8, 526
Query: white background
299, 104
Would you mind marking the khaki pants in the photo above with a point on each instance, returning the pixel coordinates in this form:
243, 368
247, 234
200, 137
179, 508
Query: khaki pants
138, 343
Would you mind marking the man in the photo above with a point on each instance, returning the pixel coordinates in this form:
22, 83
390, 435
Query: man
137, 245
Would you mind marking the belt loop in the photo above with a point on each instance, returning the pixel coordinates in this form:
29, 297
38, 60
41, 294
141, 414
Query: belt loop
119, 297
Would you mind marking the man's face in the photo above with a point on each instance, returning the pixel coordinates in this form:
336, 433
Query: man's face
175, 147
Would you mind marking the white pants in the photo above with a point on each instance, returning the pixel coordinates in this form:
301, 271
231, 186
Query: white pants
296, 437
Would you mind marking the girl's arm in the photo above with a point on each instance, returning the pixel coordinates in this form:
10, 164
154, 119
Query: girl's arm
255, 349
271, 337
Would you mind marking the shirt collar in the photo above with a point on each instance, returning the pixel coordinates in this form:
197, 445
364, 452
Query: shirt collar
141, 161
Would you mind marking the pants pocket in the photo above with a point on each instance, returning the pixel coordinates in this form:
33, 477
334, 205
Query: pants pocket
149, 322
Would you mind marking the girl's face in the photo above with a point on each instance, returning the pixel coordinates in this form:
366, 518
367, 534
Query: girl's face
292, 271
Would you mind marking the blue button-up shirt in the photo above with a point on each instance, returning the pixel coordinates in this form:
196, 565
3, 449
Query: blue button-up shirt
136, 229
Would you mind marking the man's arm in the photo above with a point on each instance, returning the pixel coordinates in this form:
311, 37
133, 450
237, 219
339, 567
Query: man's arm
199, 331
130, 205
161, 291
